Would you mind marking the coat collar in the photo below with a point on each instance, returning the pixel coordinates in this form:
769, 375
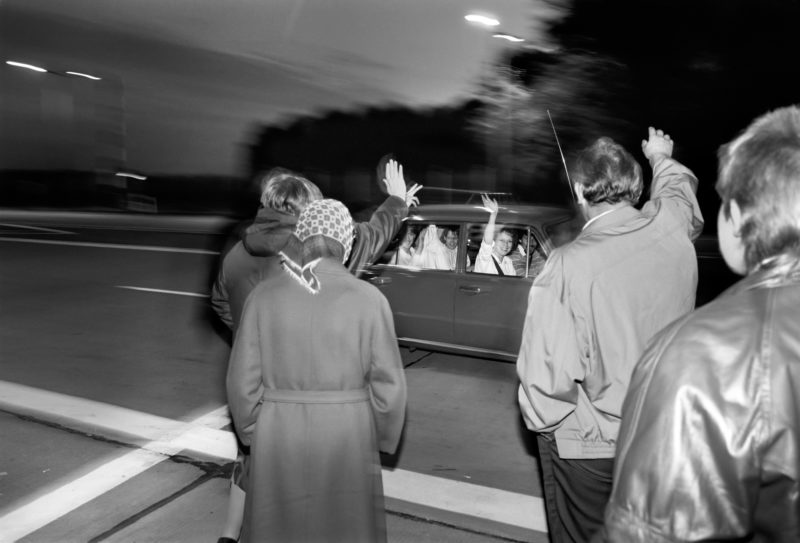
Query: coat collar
773, 272
616, 217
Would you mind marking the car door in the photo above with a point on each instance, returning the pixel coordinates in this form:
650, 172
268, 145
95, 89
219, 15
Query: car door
489, 310
421, 299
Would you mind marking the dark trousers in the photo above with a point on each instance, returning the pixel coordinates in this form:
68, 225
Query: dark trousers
575, 492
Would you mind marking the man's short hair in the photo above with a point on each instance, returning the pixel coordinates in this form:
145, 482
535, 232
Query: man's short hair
608, 173
287, 191
760, 169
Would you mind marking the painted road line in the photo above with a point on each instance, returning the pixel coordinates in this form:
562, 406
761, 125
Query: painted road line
167, 436
38, 228
466, 499
162, 291
119, 422
113, 246
46, 509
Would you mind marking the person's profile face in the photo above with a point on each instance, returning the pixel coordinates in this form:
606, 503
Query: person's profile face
408, 239
503, 243
451, 239
730, 242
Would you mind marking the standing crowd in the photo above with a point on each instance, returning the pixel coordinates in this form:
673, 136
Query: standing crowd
655, 421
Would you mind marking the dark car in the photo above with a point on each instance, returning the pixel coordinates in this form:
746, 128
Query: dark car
458, 309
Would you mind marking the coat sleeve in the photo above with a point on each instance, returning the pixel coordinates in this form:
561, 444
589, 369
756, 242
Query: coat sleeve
243, 382
686, 466
372, 237
674, 190
387, 379
549, 362
220, 299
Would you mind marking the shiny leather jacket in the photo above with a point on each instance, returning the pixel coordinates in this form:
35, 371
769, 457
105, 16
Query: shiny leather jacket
709, 441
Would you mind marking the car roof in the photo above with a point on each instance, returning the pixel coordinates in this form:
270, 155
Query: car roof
517, 213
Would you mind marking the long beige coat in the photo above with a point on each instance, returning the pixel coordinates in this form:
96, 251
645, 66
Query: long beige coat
316, 387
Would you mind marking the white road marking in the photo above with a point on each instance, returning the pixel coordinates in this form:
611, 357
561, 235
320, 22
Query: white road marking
172, 438
203, 435
162, 291
113, 246
40, 228
466, 499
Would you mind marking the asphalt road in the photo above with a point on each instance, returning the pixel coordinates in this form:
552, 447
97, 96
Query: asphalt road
112, 403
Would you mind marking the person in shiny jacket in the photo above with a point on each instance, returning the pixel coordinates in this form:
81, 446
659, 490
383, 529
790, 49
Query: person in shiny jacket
708, 448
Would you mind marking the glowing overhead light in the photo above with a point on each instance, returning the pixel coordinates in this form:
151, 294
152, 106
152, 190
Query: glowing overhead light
27, 66
131, 175
482, 19
87, 76
508, 37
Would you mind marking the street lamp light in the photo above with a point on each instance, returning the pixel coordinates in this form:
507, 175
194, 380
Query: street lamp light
86, 76
26, 66
484, 20
508, 37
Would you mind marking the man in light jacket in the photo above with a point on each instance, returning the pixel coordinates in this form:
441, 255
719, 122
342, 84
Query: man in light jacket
591, 311
708, 448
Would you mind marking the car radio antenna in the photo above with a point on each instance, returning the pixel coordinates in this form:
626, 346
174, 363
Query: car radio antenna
563, 161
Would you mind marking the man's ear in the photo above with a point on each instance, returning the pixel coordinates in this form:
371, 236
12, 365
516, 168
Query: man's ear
578, 188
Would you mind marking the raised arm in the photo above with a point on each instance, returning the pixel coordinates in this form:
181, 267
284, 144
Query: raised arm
674, 185
492, 207
372, 237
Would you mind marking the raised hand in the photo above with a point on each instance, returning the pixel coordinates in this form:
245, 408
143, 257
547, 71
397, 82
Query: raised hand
657, 144
393, 179
489, 204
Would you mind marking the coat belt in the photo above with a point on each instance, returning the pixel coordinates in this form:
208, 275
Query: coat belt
316, 396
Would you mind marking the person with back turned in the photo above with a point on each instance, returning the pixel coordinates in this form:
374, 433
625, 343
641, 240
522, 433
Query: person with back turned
591, 311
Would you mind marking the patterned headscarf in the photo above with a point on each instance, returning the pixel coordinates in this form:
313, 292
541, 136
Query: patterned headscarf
324, 229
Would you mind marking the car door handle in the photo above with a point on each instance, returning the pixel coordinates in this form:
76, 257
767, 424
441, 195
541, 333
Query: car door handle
470, 290
380, 280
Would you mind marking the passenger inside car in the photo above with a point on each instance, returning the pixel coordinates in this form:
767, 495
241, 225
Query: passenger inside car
424, 246
493, 254
438, 248
406, 253
527, 256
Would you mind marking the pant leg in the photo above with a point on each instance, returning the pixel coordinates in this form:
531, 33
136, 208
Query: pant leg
579, 492
549, 484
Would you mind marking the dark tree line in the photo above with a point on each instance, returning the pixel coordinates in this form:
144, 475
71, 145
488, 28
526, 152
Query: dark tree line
700, 69
342, 141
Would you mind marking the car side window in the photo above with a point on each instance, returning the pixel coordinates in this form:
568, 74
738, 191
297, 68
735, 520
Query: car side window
518, 253
423, 246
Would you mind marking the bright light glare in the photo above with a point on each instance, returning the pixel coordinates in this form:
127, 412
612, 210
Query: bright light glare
131, 175
481, 19
23, 65
87, 76
508, 37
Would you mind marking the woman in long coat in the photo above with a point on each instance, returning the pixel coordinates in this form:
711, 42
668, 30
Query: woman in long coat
316, 387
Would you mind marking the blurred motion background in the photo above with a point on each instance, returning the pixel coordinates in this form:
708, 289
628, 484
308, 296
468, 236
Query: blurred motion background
152, 106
